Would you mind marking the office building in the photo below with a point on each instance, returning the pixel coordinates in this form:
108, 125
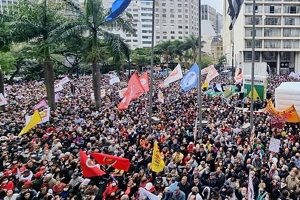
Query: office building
277, 35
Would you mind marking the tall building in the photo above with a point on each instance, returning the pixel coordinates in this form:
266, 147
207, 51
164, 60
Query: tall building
141, 11
5, 3
176, 19
277, 34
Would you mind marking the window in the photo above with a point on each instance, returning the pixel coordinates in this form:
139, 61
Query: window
258, 43
290, 44
291, 21
272, 44
258, 32
172, 32
248, 21
291, 9
248, 56
285, 56
269, 56
273, 21
273, 9
272, 32
180, 27
291, 32
172, 37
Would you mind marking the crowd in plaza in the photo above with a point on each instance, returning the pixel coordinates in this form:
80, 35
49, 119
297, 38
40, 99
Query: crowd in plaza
43, 164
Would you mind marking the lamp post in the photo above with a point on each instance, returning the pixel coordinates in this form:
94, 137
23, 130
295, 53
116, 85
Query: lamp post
252, 67
129, 67
199, 91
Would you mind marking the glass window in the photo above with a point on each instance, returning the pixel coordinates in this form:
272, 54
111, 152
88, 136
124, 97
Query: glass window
272, 32
285, 56
258, 32
269, 56
290, 44
248, 9
248, 56
272, 9
291, 20
273, 21
248, 21
291, 32
258, 43
272, 44
291, 9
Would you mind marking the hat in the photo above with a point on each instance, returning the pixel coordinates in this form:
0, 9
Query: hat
149, 186
27, 184
38, 174
202, 163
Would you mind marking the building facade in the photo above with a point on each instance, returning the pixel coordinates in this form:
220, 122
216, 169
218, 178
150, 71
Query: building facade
5, 3
277, 31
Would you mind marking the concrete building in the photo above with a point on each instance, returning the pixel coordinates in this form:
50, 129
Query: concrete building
277, 35
5, 3
216, 48
141, 11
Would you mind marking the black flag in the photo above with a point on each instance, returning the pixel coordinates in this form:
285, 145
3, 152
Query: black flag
234, 9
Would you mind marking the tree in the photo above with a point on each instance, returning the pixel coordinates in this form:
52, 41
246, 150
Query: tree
92, 24
192, 43
34, 22
165, 49
206, 61
141, 57
222, 59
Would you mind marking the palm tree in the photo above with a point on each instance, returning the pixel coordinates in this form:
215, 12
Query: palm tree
91, 22
192, 43
33, 23
165, 49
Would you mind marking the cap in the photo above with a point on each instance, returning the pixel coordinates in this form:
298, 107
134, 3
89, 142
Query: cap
38, 174
27, 184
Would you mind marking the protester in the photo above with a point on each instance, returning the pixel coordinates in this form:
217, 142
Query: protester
216, 164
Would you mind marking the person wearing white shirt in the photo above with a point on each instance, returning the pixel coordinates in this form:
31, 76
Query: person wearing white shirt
11, 196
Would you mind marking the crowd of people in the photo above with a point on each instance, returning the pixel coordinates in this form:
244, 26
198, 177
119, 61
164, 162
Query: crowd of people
44, 163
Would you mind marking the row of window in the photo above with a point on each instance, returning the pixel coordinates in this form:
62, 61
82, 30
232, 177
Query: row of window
269, 56
273, 32
275, 0
273, 21
172, 37
273, 44
292, 9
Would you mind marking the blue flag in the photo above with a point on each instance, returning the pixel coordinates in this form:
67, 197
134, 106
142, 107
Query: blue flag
117, 8
190, 79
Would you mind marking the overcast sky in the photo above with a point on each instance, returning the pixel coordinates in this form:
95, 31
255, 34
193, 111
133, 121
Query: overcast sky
217, 4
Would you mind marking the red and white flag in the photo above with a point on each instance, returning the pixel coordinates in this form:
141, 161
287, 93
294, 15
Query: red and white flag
115, 161
212, 74
145, 83
175, 75
89, 167
3, 100
134, 87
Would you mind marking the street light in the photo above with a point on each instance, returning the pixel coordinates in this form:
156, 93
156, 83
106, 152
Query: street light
129, 67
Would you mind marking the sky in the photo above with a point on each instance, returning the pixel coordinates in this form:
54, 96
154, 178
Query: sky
217, 4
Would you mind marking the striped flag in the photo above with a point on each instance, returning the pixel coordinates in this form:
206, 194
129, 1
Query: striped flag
234, 8
250, 187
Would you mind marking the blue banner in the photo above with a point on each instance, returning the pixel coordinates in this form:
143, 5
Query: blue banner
190, 79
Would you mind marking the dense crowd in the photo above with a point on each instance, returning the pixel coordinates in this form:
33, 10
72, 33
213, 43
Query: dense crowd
44, 163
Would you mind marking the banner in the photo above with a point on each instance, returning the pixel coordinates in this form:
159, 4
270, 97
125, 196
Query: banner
175, 75
58, 87
64, 80
157, 164
114, 80
190, 80
33, 121
45, 115
3, 100
290, 114
160, 96
260, 87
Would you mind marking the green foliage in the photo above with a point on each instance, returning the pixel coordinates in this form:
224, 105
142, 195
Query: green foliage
222, 59
141, 57
7, 62
206, 61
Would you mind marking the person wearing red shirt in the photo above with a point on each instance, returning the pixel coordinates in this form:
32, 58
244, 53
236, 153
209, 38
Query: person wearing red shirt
111, 187
7, 185
58, 187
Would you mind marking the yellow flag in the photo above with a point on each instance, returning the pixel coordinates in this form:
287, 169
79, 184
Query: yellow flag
157, 164
35, 119
205, 84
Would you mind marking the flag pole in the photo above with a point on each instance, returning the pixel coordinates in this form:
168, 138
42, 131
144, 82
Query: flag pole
199, 91
252, 67
151, 70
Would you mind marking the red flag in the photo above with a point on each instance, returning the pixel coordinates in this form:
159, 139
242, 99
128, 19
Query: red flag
89, 168
115, 161
134, 87
145, 84
144, 79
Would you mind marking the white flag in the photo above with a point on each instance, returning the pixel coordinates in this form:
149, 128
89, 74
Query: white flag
3, 100
175, 75
64, 80
143, 192
58, 87
160, 96
114, 80
250, 187
45, 115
